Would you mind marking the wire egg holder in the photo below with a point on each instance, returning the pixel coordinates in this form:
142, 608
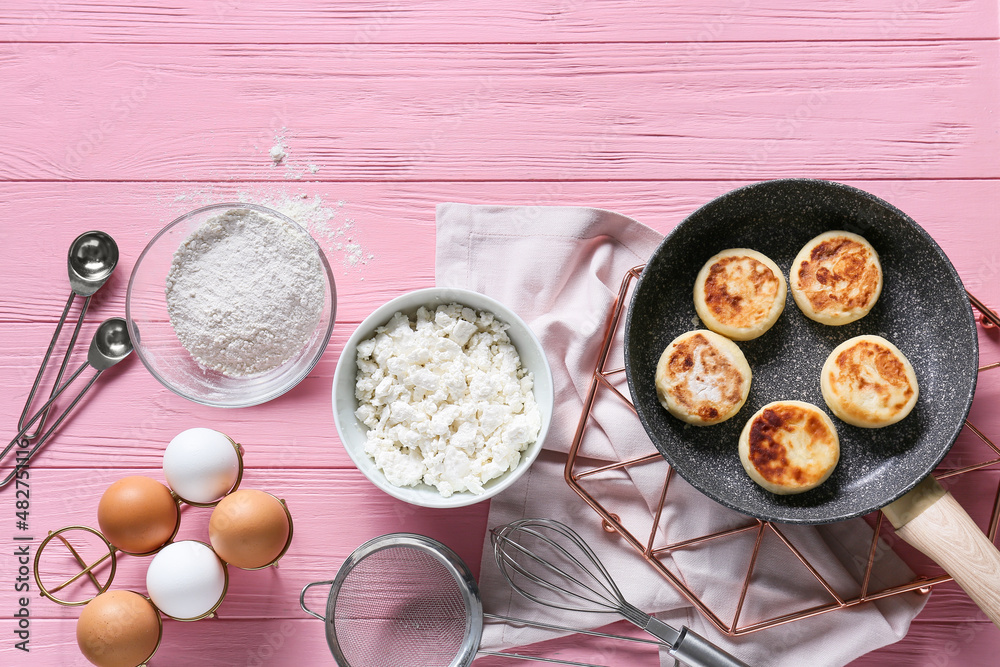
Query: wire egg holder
88, 568
578, 470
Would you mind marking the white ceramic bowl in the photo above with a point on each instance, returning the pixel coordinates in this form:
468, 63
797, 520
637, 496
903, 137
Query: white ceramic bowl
352, 431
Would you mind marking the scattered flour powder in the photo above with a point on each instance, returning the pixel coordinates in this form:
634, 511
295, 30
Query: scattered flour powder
445, 399
278, 151
245, 292
329, 222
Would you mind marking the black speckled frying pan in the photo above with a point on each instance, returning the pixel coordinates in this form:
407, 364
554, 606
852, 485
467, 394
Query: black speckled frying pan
923, 309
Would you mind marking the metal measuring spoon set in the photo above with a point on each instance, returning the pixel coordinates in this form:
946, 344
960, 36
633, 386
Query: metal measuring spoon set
90, 262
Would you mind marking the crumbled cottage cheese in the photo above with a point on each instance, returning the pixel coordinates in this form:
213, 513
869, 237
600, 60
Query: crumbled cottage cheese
445, 399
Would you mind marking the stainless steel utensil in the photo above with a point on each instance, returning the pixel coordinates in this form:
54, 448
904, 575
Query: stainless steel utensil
110, 345
91, 259
405, 600
548, 562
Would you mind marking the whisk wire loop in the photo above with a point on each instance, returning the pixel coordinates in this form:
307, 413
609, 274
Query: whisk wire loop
600, 599
604, 580
593, 569
535, 579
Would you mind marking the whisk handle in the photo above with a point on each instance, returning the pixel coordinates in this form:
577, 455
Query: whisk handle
695, 651
688, 647
661, 630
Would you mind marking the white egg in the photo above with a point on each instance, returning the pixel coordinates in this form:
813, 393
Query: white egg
201, 465
186, 580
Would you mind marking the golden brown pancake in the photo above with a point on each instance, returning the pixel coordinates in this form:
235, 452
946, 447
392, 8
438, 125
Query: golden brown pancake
702, 378
868, 382
836, 278
739, 293
789, 447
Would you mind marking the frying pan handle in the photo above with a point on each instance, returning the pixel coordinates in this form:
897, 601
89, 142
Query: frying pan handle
302, 598
942, 530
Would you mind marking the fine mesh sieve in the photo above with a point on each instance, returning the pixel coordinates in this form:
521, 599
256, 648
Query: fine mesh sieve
402, 600
405, 600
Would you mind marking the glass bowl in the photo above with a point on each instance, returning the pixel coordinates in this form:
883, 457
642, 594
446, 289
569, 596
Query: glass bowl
160, 350
353, 433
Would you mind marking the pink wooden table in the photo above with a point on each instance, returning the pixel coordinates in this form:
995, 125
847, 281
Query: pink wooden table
120, 118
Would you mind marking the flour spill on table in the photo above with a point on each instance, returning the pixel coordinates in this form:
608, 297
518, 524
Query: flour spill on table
277, 151
329, 226
329, 222
280, 154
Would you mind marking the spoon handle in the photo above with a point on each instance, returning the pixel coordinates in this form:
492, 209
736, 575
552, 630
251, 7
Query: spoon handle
45, 361
22, 461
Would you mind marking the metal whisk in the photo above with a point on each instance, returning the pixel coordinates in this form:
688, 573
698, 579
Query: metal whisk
549, 563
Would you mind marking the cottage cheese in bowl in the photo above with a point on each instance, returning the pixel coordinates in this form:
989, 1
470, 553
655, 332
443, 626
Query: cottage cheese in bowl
442, 397
445, 399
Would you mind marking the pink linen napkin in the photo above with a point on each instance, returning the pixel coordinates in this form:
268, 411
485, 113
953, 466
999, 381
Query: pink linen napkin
560, 269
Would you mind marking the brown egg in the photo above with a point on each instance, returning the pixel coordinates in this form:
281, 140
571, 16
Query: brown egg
249, 528
137, 514
118, 629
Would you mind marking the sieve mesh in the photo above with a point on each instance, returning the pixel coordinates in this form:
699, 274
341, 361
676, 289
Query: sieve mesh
400, 607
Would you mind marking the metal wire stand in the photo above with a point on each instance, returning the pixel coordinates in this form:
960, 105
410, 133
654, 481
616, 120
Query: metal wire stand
580, 470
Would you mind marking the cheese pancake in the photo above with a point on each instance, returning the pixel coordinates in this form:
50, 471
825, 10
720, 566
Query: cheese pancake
739, 293
836, 278
789, 447
868, 382
702, 378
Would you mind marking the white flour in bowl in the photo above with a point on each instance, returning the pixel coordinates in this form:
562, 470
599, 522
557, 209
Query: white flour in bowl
245, 292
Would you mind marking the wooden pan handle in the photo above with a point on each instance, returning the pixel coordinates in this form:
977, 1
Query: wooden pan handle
931, 520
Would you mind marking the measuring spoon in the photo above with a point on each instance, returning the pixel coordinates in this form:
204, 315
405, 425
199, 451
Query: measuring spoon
111, 344
91, 259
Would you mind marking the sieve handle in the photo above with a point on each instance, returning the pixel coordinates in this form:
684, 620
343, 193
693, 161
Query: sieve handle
302, 598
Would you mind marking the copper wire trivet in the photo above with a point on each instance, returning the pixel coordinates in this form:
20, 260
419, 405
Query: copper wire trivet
577, 471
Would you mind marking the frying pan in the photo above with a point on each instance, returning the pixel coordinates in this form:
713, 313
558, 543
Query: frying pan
923, 309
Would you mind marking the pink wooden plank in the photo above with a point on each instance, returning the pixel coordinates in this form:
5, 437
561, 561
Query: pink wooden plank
285, 643
314, 556
65, 497
950, 639
394, 223
334, 511
841, 110
355, 26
